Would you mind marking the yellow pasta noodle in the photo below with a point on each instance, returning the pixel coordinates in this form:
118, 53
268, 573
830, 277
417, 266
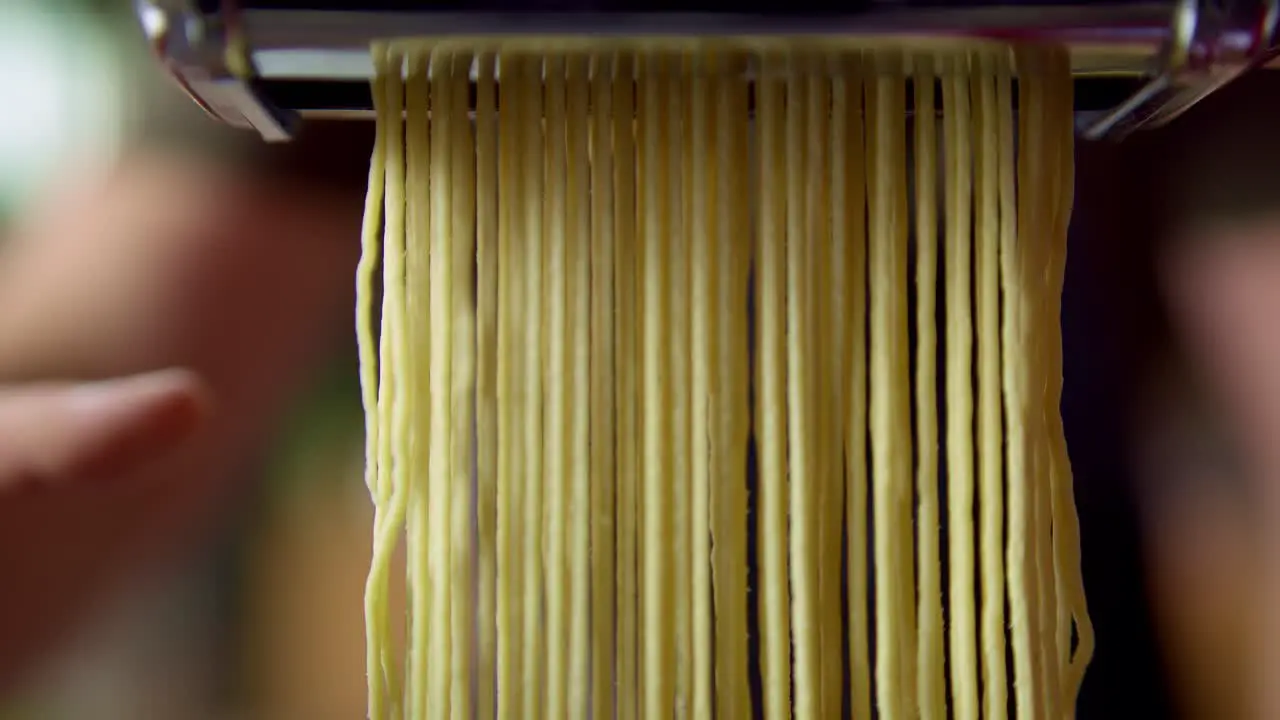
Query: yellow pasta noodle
773, 426
930, 654
487, 406
440, 475
375, 589
658, 659
627, 702
959, 339
731, 436
418, 281
799, 299
602, 251
888, 406
857, 480
558, 388
825, 493
677, 347
462, 384
990, 433
578, 260
704, 199
531, 199
511, 394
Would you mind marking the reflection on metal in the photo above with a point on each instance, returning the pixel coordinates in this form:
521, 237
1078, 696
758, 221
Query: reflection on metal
209, 57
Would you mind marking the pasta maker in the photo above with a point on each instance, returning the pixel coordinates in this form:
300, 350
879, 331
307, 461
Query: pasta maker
269, 65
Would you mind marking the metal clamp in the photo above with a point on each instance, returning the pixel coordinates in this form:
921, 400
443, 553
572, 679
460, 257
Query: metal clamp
209, 57
1211, 43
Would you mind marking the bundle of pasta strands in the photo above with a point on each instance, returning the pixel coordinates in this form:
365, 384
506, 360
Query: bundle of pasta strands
720, 380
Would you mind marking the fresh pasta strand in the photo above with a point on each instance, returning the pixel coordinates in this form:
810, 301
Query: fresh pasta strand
800, 397
657, 668
393, 399
644, 120
487, 407
704, 204
627, 348
858, 481
578, 260
773, 440
511, 390
837, 295
1041, 222
990, 461
677, 351
1061, 501
825, 495
418, 282
730, 494
1021, 544
959, 339
440, 477
1044, 196
997, 692
531, 198
902, 451
1066, 524
930, 650
611, 278
462, 386
1059, 466
555, 432
604, 402
375, 595
890, 405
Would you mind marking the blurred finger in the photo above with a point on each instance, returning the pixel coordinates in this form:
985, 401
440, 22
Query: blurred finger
56, 434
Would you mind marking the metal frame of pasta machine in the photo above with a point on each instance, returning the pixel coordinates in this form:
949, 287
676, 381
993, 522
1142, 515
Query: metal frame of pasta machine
267, 65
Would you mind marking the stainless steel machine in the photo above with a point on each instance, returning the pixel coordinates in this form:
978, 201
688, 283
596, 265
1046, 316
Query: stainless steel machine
268, 65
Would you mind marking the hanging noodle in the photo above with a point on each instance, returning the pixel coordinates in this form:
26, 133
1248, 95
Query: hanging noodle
561, 398
703, 199
487, 403
531, 197
857, 481
511, 393
731, 437
959, 408
772, 403
439, 535
680, 155
990, 433
555, 431
580, 292
931, 687
417, 280
799, 314
627, 701
602, 249
375, 588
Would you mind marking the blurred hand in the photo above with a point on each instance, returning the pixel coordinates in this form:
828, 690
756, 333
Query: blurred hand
154, 322
1224, 287
56, 434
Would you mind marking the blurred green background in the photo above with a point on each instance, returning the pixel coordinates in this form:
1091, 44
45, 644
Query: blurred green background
267, 622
